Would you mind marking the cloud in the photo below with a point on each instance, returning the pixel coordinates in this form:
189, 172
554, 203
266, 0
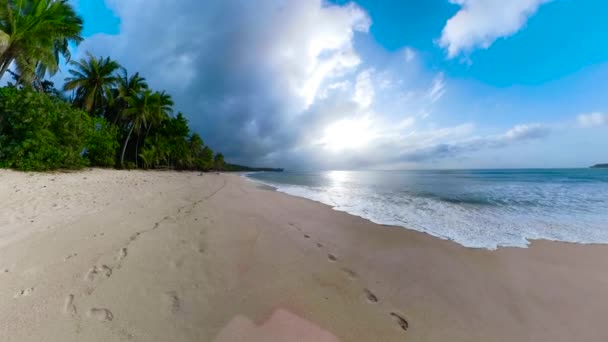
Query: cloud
364, 89
437, 146
437, 89
593, 119
243, 73
409, 53
281, 83
479, 23
526, 132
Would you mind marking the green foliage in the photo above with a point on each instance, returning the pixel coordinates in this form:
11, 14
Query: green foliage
218, 162
40, 129
34, 34
39, 132
102, 143
92, 79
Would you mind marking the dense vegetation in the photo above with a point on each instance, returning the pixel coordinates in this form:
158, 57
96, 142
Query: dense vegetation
109, 118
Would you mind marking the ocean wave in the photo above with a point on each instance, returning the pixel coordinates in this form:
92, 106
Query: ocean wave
473, 213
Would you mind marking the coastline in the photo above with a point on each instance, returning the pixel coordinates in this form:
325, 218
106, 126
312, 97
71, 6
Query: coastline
528, 241
215, 257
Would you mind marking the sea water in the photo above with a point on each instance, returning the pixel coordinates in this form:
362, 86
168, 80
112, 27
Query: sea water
475, 208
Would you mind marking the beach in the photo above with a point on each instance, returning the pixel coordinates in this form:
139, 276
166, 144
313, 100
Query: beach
106, 255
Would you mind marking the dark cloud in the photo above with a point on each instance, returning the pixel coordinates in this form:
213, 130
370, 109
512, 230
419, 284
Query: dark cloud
263, 80
244, 73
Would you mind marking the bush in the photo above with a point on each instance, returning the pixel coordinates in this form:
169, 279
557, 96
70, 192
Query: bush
102, 143
39, 132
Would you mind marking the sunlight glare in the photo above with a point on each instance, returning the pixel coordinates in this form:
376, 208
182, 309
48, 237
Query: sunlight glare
347, 134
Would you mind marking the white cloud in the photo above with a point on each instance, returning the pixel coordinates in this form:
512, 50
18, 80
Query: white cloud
481, 22
593, 119
409, 53
364, 89
437, 89
525, 132
280, 83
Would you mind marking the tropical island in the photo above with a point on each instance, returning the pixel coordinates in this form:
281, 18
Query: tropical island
600, 166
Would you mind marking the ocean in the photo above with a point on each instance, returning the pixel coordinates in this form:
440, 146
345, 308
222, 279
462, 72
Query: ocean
475, 208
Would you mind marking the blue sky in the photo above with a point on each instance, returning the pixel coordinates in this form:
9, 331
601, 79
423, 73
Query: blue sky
425, 84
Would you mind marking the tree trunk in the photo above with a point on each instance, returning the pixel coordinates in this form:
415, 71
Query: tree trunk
5, 64
124, 148
147, 132
137, 151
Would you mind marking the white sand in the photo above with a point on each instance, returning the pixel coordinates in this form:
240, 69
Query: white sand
162, 256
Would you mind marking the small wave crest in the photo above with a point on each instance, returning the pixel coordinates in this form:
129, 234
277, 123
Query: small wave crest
505, 214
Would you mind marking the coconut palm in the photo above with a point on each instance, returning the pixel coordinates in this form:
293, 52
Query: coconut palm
138, 113
92, 79
127, 87
161, 108
34, 34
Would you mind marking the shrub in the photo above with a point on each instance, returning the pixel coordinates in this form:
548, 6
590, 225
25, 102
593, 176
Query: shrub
39, 132
102, 143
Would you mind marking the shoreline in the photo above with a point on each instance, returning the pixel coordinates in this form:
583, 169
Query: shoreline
154, 256
530, 242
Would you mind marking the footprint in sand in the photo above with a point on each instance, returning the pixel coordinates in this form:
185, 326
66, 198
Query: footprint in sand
102, 315
351, 274
134, 236
320, 245
307, 236
73, 255
122, 254
332, 257
371, 297
176, 264
170, 302
199, 247
95, 271
24, 293
68, 305
400, 320
294, 226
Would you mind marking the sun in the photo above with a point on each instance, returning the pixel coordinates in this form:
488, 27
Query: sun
347, 134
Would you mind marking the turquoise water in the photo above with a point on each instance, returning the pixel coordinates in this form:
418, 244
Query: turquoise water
476, 208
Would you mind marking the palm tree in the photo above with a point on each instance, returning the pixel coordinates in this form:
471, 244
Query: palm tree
161, 108
93, 79
138, 112
34, 34
127, 87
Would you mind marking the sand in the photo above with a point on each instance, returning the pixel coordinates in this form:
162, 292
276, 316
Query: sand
103, 255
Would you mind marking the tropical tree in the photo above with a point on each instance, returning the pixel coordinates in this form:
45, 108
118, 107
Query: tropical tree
219, 162
161, 109
138, 113
34, 34
92, 79
127, 87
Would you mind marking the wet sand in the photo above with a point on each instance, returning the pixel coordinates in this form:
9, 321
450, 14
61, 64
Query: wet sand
104, 255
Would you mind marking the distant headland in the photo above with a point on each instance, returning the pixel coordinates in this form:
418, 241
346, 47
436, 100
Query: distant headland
600, 166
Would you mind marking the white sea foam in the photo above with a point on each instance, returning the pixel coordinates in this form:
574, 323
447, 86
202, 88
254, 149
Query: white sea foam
524, 211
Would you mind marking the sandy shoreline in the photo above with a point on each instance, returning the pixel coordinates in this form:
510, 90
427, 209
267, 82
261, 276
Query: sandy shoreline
161, 256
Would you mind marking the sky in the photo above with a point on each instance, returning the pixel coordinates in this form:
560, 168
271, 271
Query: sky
373, 84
